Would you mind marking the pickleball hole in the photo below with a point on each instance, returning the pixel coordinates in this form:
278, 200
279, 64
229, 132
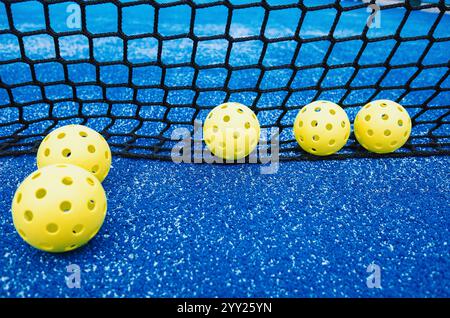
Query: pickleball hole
405, 134
332, 112
332, 142
224, 106
383, 105
317, 109
61, 136
28, 215
106, 154
36, 175
91, 149
46, 246
370, 132
247, 125
77, 229
367, 118
368, 106
329, 126
94, 169
66, 153
91, 205
313, 149
300, 124
314, 123
393, 143
19, 197
67, 181
385, 117
226, 118
240, 110
400, 122
22, 233
47, 152
303, 110
235, 135
343, 124
316, 138
83, 134
65, 206
215, 129
52, 228
90, 181
41, 193
387, 132
400, 109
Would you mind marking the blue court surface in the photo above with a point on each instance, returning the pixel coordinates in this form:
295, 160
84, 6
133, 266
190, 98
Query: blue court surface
199, 230
310, 230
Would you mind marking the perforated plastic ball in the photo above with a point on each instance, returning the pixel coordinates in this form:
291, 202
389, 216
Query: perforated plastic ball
321, 128
77, 145
231, 131
59, 208
382, 126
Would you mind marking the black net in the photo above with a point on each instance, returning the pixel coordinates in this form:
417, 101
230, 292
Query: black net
137, 70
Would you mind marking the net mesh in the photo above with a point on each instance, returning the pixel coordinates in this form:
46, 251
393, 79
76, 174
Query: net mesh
137, 70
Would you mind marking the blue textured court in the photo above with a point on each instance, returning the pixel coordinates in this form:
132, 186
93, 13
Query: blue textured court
199, 230
204, 231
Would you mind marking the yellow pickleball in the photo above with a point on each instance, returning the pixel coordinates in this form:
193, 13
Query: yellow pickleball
382, 126
59, 208
231, 131
78, 145
322, 128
